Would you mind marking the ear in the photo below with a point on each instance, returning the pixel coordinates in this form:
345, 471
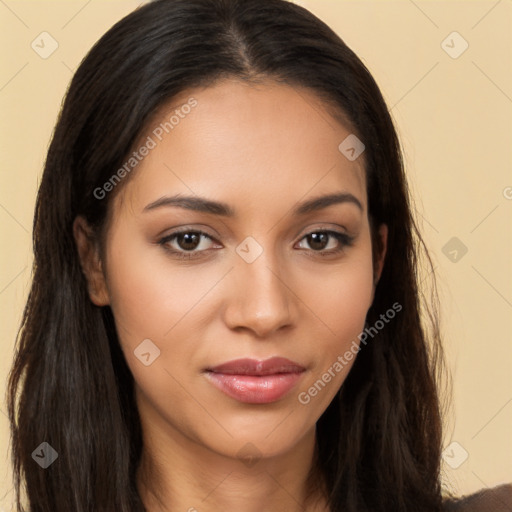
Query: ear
90, 262
382, 245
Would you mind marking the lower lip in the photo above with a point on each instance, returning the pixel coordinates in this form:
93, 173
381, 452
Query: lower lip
252, 389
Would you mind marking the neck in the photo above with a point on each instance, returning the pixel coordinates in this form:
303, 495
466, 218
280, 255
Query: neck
179, 474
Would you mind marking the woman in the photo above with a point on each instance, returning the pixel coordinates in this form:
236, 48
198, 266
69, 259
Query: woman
225, 310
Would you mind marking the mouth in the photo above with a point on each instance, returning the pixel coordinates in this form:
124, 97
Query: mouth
256, 382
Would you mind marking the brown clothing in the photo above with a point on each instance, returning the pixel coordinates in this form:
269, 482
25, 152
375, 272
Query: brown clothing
497, 499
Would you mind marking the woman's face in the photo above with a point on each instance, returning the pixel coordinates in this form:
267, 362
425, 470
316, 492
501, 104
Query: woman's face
277, 272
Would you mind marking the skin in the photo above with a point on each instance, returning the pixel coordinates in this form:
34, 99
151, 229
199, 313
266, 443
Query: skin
261, 150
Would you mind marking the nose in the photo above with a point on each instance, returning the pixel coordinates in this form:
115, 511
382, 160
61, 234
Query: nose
260, 299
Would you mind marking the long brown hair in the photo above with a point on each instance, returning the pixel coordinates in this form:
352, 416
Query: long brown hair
379, 441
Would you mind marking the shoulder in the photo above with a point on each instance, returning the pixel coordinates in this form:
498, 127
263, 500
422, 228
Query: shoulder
497, 499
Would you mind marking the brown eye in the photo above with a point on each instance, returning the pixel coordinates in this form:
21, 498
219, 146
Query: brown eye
319, 241
187, 243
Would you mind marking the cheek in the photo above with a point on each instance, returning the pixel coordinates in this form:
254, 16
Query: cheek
149, 293
340, 300
345, 299
152, 300
341, 295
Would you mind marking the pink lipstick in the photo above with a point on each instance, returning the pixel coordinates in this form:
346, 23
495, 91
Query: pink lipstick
256, 382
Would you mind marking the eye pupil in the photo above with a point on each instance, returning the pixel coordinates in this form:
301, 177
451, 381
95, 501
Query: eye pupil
318, 241
191, 240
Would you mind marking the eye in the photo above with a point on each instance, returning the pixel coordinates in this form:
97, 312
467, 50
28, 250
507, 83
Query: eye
186, 243
327, 242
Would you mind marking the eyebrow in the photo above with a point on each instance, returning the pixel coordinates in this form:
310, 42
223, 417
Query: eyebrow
201, 204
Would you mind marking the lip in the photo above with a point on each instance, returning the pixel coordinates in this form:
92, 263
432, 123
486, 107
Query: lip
256, 382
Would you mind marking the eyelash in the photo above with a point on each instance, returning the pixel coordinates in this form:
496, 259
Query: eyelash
344, 240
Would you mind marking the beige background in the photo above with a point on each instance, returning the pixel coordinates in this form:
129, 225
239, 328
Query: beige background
454, 116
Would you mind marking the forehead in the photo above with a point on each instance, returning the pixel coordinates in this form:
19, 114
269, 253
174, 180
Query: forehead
247, 145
